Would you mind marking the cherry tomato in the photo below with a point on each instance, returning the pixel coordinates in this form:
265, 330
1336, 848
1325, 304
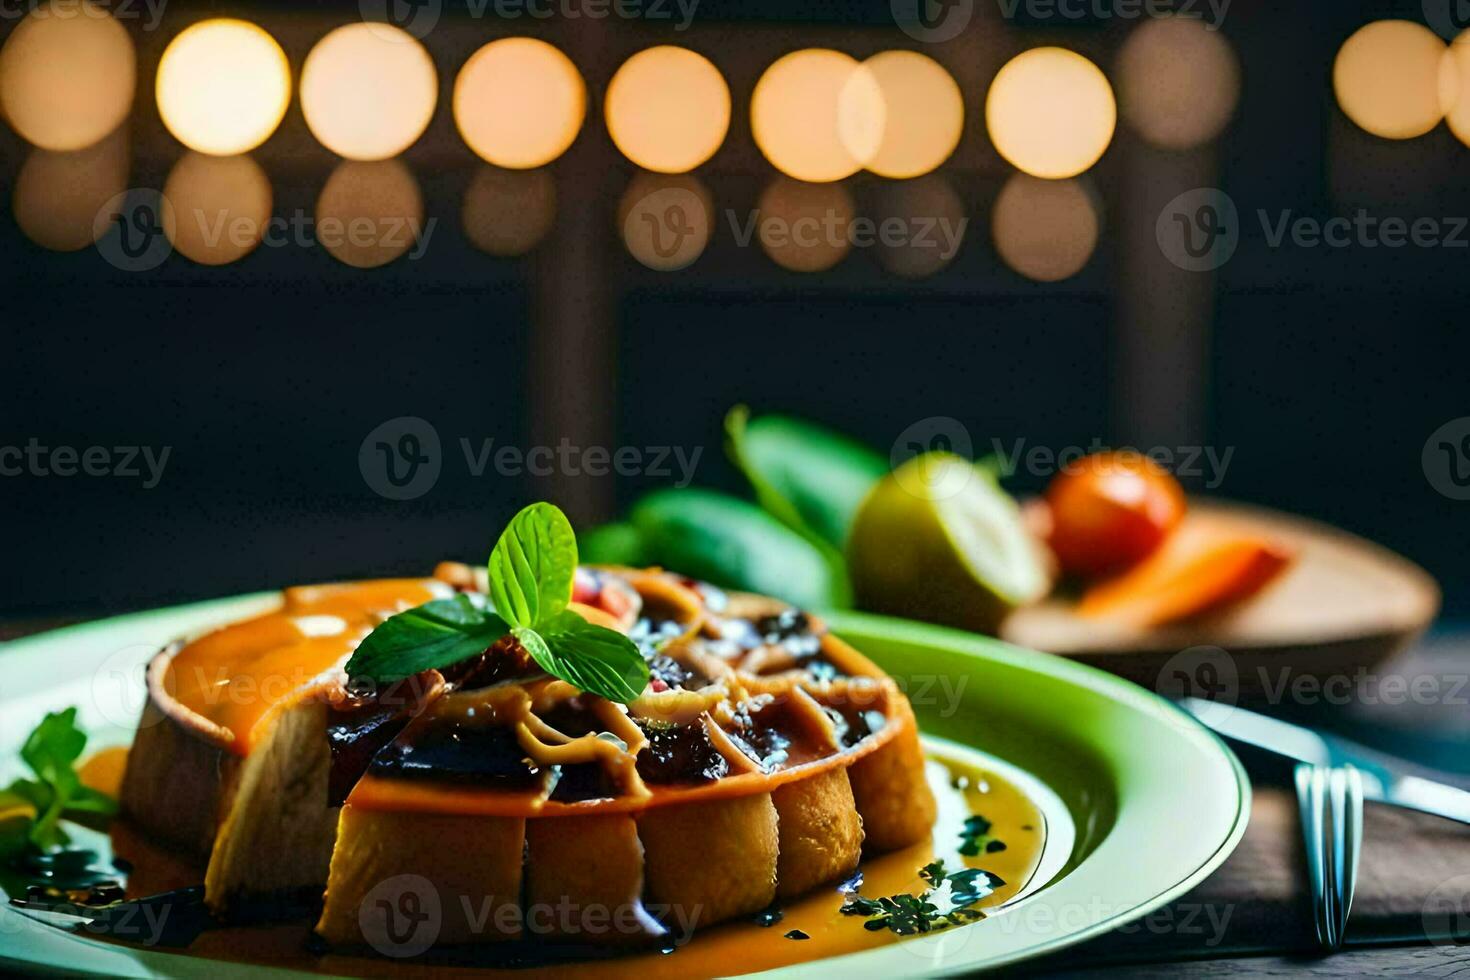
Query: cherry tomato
1111, 510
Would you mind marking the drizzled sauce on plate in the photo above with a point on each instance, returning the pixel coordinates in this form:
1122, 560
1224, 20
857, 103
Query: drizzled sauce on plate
1036, 832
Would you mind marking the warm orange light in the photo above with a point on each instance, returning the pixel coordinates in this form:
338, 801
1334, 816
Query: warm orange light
805, 227
1050, 112
924, 114
370, 213
368, 91
519, 102
223, 86
1392, 79
221, 207
1044, 229
1178, 82
666, 219
1456, 77
508, 212
67, 75
667, 109
58, 195
818, 115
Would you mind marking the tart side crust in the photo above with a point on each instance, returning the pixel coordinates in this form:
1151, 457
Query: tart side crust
713, 860
593, 868
473, 864
890, 790
181, 777
821, 833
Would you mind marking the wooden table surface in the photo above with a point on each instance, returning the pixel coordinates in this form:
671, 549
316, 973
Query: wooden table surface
1251, 918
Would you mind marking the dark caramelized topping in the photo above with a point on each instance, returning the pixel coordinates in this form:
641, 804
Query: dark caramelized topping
667, 671
583, 781
792, 629
359, 727
506, 660
680, 754
458, 751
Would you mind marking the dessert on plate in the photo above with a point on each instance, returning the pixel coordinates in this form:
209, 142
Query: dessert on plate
623, 746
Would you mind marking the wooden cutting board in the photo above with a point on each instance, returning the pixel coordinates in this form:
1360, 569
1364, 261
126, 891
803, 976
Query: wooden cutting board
1344, 604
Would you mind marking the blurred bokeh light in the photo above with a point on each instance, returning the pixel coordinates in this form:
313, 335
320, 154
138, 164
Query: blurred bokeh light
519, 103
924, 114
370, 212
1178, 82
1456, 75
1392, 79
666, 219
1045, 229
817, 115
368, 91
221, 207
507, 212
805, 227
935, 216
1050, 112
67, 76
223, 86
667, 109
57, 195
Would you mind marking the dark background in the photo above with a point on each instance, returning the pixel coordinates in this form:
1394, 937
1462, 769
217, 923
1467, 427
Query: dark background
1326, 370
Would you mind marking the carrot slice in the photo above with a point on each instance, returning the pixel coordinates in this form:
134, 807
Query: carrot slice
1204, 565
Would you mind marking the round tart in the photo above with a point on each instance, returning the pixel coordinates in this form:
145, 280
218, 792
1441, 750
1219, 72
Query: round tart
764, 757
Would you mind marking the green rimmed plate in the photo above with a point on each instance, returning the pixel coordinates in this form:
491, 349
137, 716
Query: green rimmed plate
1157, 801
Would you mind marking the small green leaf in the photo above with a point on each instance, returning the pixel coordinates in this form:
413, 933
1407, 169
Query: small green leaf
810, 478
54, 745
594, 658
88, 800
734, 544
532, 565
435, 634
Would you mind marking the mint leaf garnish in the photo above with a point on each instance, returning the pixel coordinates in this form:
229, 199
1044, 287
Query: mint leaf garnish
531, 570
436, 634
51, 751
532, 565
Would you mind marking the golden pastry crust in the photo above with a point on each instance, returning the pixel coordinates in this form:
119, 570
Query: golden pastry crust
821, 832
714, 860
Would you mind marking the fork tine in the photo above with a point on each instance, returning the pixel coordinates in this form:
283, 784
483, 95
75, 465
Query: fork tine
1347, 843
1312, 804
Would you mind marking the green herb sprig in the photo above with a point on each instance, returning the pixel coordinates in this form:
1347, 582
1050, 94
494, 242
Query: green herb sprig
906, 915
975, 838
531, 573
51, 751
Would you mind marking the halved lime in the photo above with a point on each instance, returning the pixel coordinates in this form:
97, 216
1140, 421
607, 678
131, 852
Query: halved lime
939, 540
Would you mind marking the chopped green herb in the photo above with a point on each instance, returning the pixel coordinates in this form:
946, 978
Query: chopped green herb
975, 838
531, 570
907, 915
51, 751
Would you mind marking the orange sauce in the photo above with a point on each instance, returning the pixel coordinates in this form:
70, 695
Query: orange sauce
732, 948
236, 675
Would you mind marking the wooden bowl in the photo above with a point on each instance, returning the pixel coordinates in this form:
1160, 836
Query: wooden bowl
1342, 607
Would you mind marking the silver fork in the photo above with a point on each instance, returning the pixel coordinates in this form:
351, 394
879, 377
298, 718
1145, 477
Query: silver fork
1331, 802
